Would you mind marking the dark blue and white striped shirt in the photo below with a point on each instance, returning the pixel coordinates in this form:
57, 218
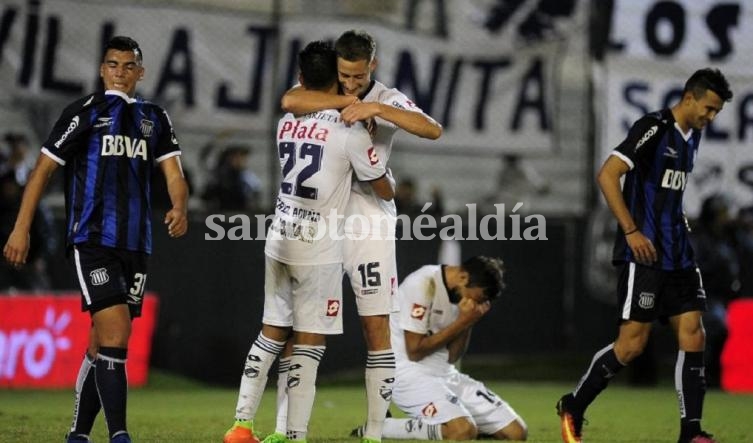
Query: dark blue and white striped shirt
661, 158
108, 144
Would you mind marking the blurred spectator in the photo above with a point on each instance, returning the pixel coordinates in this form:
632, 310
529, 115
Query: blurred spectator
160, 197
407, 202
717, 259
744, 249
15, 166
518, 181
232, 186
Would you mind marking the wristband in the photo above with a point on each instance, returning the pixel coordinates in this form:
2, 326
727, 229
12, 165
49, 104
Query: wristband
631, 232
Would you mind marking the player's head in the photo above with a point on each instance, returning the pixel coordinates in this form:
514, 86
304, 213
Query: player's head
121, 65
356, 61
318, 66
703, 97
485, 275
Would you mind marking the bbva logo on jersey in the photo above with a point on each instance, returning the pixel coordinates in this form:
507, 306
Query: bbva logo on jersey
121, 145
675, 180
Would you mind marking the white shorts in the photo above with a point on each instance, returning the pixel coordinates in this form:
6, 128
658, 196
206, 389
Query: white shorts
372, 270
308, 298
440, 399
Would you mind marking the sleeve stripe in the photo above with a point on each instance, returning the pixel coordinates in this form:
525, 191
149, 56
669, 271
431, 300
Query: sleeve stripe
624, 158
168, 155
54, 157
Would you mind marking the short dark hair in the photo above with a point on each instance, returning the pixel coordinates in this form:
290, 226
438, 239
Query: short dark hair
708, 79
318, 65
355, 45
123, 43
487, 273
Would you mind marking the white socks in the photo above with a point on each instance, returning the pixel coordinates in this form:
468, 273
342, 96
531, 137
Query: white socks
254, 379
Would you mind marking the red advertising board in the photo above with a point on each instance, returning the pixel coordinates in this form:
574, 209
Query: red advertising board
737, 359
43, 339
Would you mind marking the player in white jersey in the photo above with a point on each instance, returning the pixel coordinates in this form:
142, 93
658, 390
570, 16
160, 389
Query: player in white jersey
303, 270
438, 307
369, 247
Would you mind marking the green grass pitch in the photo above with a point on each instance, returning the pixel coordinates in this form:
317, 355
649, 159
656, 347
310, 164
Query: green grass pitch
174, 410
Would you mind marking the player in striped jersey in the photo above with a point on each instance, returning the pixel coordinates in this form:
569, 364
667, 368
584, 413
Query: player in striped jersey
107, 143
319, 155
369, 249
658, 277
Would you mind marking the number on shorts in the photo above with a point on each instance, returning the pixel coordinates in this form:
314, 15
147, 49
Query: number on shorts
488, 395
370, 274
138, 284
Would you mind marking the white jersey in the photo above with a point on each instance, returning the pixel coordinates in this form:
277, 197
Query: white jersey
318, 156
425, 308
364, 201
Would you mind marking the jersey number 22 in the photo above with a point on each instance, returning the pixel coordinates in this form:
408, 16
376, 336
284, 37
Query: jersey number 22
290, 152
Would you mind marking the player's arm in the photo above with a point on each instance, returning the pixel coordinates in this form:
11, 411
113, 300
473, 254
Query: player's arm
459, 345
176, 218
417, 123
383, 187
418, 346
17, 248
298, 100
608, 179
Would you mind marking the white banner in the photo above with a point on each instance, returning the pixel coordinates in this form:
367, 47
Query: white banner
656, 45
217, 70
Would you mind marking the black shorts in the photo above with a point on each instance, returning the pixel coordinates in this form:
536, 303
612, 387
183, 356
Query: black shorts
109, 277
645, 294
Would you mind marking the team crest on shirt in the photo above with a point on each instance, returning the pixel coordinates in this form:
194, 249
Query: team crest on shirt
418, 311
373, 157
99, 276
333, 308
429, 410
646, 300
146, 126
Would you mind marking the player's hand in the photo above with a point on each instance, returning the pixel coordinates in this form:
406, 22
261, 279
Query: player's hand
17, 248
470, 311
643, 250
359, 111
176, 220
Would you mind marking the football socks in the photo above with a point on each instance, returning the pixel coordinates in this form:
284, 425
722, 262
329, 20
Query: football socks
86, 405
282, 395
411, 428
254, 379
603, 367
112, 387
690, 382
304, 365
380, 376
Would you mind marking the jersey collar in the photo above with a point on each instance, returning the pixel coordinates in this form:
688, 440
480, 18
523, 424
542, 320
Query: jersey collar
366, 92
451, 294
121, 95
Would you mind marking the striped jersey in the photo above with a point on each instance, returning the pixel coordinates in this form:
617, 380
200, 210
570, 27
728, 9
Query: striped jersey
318, 156
660, 157
363, 200
108, 144
426, 307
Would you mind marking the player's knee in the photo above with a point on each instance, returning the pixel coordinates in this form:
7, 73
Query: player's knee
459, 429
628, 349
516, 431
692, 340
